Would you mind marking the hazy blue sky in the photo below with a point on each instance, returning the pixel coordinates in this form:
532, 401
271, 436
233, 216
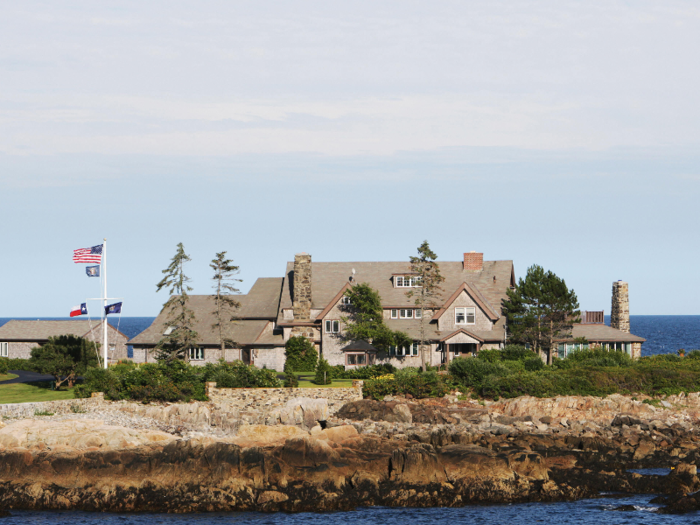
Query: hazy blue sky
552, 132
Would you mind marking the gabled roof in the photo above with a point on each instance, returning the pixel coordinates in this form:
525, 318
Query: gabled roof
411, 327
478, 298
334, 301
329, 277
17, 330
473, 335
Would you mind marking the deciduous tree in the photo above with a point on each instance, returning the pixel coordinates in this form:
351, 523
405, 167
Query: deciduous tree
427, 290
225, 306
179, 335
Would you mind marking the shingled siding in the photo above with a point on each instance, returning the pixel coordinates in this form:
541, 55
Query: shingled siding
271, 358
447, 323
20, 350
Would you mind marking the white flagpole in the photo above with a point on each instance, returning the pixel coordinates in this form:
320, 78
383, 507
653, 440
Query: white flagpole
104, 301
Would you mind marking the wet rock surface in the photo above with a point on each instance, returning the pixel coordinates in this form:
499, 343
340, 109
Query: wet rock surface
394, 453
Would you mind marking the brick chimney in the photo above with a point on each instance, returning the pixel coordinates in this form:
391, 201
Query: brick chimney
473, 262
620, 312
302, 287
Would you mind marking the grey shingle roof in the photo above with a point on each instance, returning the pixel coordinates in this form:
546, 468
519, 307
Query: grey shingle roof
327, 278
601, 332
16, 330
258, 308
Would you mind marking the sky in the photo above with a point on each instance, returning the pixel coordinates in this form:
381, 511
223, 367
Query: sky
554, 132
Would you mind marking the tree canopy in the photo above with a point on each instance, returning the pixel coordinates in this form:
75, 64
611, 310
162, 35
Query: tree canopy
365, 320
179, 335
539, 310
65, 357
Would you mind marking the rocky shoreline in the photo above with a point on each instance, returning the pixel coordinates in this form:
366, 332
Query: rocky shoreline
393, 453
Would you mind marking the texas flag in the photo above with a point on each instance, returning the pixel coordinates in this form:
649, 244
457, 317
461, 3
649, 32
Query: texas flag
79, 310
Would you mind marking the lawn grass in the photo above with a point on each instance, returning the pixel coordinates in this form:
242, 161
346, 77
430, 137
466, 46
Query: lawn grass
306, 377
5, 377
32, 392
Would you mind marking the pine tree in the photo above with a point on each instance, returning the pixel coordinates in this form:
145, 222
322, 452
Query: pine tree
179, 335
427, 290
225, 306
540, 309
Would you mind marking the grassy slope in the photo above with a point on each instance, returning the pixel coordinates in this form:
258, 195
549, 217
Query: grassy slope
5, 377
31, 392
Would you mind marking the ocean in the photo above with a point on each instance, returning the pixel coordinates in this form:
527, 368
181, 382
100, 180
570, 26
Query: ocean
664, 334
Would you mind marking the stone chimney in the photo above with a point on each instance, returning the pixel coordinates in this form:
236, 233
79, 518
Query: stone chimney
620, 311
473, 262
302, 287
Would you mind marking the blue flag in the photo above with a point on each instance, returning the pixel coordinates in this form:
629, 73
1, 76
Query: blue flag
115, 308
92, 271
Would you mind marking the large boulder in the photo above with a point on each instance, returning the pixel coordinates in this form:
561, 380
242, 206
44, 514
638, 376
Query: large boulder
304, 412
77, 434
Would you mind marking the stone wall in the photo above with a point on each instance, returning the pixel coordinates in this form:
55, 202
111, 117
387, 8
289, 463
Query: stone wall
620, 311
267, 399
66, 406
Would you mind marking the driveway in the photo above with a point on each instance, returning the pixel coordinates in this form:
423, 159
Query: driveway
26, 377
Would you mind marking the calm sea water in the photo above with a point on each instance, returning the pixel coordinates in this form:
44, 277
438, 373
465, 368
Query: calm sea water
591, 511
664, 334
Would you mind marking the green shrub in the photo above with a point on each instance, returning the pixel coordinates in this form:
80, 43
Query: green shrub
693, 354
100, 380
240, 375
323, 373
21, 364
419, 386
516, 353
492, 356
366, 372
531, 364
301, 354
471, 372
4, 365
290, 380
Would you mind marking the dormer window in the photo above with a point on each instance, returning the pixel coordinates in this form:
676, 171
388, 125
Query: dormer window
406, 281
345, 300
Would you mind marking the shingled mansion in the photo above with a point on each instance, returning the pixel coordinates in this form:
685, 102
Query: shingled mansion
309, 301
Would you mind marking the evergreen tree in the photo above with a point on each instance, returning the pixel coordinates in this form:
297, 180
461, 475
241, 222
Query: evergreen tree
323, 373
366, 320
300, 354
540, 309
179, 335
225, 306
65, 357
426, 292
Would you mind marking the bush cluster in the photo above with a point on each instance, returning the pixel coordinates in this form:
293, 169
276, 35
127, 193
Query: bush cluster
171, 381
4, 365
300, 354
418, 385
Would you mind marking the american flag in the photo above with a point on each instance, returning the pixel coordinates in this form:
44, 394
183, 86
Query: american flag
88, 255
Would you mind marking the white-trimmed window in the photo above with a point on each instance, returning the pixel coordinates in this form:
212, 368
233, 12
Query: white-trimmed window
402, 351
4, 349
394, 313
417, 313
196, 354
465, 315
404, 281
345, 300
406, 314
332, 326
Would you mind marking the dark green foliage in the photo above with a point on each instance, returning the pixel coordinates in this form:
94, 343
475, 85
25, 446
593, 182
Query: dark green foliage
16, 363
365, 320
471, 372
539, 310
324, 373
290, 380
65, 357
172, 380
4, 365
419, 386
365, 372
596, 357
180, 320
532, 364
693, 354
300, 354
492, 356
516, 353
